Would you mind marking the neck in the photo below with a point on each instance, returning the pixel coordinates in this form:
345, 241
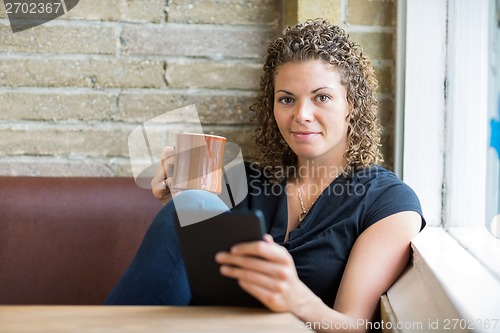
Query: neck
316, 172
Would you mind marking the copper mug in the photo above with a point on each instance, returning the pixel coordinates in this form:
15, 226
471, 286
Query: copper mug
198, 162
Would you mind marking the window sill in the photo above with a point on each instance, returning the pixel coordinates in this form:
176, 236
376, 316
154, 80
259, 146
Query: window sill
481, 244
446, 288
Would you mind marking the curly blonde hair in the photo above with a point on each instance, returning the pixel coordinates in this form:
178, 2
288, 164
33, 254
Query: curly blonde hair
313, 40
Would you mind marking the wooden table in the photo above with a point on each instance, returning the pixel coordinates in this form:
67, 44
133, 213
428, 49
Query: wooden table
144, 319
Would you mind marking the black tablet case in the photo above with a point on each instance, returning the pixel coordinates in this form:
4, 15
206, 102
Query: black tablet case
201, 241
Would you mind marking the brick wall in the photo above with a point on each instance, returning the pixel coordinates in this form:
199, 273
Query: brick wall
71, 90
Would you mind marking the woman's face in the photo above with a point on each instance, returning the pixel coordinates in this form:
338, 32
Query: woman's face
310, 108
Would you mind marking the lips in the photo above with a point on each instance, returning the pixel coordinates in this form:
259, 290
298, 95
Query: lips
305, 134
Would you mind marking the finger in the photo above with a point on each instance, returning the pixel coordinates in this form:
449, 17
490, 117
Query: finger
266, 267
168, 183
273, 301
158, 176
270, 292
167, 152
268, 238
257, 278
167, 161
270, 251
157, 181
159, 188
160, 191
162, 172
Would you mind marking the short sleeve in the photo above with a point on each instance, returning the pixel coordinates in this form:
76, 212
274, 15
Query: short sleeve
387, 196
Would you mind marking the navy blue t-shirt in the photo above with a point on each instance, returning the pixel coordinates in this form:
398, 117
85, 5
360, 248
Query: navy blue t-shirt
321, 244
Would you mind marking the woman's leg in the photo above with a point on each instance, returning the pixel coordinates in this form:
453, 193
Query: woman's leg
157, 274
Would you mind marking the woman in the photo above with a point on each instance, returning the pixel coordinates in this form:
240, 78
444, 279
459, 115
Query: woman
340, 225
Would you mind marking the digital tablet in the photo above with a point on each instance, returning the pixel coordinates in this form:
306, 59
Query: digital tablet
201, 241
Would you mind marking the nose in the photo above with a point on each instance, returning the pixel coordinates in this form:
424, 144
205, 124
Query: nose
304, 112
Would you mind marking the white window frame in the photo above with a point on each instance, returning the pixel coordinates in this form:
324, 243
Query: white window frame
469, 201
442, 101
466, 114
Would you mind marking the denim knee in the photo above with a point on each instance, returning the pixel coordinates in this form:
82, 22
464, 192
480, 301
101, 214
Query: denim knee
194, 206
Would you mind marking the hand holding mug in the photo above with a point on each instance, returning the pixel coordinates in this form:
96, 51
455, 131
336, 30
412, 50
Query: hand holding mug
195, 164
161, 182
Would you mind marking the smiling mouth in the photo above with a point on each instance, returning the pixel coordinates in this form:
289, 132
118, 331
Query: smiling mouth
305, 134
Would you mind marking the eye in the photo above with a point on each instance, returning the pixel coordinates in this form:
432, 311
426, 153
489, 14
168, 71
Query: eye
323, 98
285, 100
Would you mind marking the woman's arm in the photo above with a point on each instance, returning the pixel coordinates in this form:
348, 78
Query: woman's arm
378, 257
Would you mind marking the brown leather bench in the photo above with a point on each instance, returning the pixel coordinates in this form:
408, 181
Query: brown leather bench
68, 240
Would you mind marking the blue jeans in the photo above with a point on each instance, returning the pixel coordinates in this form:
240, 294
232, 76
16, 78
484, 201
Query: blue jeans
157, 275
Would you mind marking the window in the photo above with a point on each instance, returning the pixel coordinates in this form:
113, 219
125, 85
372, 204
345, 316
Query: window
449, 102
471, 164
493, 167
446, 112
